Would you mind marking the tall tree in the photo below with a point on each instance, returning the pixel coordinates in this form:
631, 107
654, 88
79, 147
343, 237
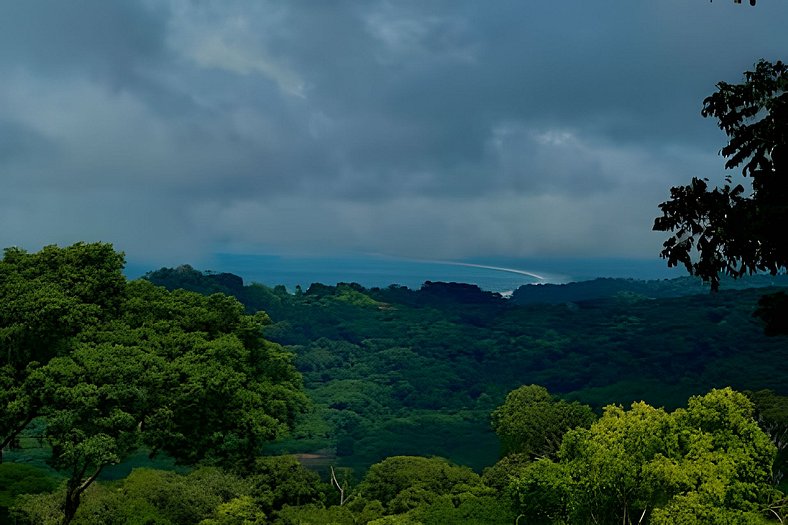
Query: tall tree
113, 365
731, 229
178, 372
48, 298
93, 401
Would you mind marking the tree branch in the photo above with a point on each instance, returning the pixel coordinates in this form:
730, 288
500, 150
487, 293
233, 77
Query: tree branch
85, 484
339, 488
15, 432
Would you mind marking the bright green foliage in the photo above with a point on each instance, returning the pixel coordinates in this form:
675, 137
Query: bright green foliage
48, 297
711, 455
771, 412
722, 442
112, 365
612, 463
180, 372
533, 422
238, 511
692, 510
404, 482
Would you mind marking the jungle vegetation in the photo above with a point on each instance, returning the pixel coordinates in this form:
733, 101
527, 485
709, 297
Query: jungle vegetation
396, 371
418, 406
189, 397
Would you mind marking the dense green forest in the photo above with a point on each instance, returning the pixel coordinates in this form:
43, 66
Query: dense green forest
399, 371
191, 397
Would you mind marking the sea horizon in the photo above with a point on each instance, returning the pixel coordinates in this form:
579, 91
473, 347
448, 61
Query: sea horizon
494, 274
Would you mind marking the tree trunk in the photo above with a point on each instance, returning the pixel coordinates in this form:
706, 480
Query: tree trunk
72, 502
74, 490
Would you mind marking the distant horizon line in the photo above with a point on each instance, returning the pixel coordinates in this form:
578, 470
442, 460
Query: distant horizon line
509, 265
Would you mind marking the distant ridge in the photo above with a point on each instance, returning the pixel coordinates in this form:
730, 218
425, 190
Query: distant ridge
604, 287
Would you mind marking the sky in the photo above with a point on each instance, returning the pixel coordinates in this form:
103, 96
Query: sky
449, 130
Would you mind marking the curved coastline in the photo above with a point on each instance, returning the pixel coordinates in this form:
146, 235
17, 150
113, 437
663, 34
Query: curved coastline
496, 268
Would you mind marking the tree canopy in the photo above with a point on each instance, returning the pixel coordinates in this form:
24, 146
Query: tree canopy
533, 422
48, 298
708, 463
112, 366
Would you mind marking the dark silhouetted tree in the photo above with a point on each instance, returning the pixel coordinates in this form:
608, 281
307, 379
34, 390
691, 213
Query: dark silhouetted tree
733, 229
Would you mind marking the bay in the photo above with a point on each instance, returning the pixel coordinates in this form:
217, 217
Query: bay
502, 275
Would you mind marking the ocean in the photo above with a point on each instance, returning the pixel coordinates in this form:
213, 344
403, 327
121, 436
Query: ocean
502, 275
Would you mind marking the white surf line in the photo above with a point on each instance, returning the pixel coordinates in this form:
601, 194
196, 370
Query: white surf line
470, 265
497, 268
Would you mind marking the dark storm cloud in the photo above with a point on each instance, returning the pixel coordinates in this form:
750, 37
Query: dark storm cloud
430, 128
104, 38
417, 89
18, 142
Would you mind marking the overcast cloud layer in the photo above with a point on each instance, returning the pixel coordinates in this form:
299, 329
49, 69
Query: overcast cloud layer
433, 129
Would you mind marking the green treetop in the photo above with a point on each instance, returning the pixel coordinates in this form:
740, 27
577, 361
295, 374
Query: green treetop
708, 463
48, 297
532, 421
112, 366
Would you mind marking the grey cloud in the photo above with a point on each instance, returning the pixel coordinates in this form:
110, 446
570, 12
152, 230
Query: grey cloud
419, 113
19, 142
106, 38
444, 128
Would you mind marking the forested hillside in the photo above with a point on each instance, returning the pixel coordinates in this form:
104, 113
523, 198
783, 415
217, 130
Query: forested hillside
125, 402
655, 289
399, 371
